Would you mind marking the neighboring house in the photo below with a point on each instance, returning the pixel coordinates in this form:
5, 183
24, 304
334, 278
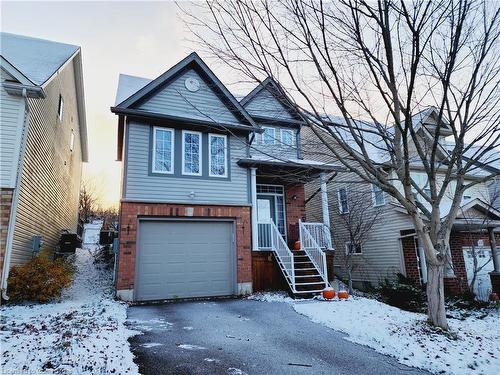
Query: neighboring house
43, 142
391, 246
213, 189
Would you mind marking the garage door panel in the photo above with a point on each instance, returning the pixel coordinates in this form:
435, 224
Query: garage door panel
185, 259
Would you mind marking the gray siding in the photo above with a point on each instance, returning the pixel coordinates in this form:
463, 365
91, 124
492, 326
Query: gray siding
50, 179
278, 150
142, 185
12, 115
176, 100
264, 104
494, 190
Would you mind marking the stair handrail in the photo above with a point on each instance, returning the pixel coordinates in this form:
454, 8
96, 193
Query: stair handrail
283, 253
321, 233
313, 250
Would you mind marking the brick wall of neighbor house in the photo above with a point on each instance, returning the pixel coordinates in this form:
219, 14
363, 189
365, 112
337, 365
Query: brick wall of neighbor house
130, 211
295, 210
410, 256
5, 206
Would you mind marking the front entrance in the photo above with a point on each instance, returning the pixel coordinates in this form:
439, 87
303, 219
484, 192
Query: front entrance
478, 259
271, 206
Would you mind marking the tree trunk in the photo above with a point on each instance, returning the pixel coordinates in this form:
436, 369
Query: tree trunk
435, 295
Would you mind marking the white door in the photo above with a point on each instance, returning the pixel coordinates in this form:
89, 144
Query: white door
482, 285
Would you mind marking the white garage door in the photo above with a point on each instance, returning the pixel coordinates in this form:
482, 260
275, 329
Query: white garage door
484, 265
184, 259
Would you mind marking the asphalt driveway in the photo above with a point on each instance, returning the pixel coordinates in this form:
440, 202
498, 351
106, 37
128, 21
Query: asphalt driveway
246, 337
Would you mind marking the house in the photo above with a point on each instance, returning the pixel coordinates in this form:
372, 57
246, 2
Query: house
391, 245
43, 142
213, 189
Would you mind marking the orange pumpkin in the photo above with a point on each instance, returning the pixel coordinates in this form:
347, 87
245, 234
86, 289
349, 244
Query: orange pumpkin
343, 294
296, 245
328, 293
494, 297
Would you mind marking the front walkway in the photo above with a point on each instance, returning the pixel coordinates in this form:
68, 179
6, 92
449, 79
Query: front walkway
245, 336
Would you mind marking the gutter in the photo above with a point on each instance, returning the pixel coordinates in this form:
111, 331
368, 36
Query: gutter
15, 199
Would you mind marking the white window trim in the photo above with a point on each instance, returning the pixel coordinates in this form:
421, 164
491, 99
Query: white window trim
347, 249
281, 137
200, 158
340, 201
212, 135
273, 136
374, 196
172, 153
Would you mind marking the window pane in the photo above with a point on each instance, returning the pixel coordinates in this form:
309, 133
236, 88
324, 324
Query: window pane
378, 195
217, 155
268, 136
192, 153
343, 200
163, 150
287, 137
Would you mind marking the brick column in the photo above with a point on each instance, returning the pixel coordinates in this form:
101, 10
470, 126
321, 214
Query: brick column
295, 208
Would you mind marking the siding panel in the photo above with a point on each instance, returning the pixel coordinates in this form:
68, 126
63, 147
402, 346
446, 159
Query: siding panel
141, 185
265, 104
50, 179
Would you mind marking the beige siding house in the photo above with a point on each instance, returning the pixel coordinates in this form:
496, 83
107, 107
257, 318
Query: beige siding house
43, 144
390, 246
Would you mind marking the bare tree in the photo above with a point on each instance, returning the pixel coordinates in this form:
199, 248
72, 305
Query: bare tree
88, 202
353, 225
382, 62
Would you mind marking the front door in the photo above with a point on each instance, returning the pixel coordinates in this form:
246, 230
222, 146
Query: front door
266, 210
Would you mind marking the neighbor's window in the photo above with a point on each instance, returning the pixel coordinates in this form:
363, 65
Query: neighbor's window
268, 137
378, 196
352, 248
60, 108
287, 137
343, 205
217, 155
72, 141
163, 150
191, 153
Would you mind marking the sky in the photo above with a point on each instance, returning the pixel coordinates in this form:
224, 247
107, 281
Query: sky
136, 38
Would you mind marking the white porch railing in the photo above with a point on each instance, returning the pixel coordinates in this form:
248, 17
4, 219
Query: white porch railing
271, 238
313, 250
321, 234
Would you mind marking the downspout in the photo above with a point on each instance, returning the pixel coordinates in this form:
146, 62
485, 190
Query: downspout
15, 198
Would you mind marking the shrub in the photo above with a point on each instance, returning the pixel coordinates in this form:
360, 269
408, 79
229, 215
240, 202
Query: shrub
403, 294
40, 279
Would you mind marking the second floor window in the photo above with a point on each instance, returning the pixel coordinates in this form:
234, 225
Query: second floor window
217, 155
378, 196
343, 201
287, 137
60, 108
191, 153
268, 137
163, 150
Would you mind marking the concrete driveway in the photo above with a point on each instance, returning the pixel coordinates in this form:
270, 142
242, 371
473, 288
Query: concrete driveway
246, 337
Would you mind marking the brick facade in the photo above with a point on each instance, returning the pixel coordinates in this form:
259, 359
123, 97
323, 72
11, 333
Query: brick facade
453, 285
130, 212
5, 207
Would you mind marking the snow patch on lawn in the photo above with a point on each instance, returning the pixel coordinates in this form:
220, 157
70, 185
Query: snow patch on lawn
151, 345
271, 297
83, 333
191, 347
407, 336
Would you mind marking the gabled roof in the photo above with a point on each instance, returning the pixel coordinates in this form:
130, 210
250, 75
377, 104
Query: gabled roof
126, 106
36, 59
275, 89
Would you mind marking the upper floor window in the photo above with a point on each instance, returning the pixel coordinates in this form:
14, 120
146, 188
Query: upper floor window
378, 196
343, 202
287, 137
191, 153
269, 136
217, 155
163, 150
60, 108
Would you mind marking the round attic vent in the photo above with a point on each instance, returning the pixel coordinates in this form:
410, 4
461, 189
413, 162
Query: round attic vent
192, 84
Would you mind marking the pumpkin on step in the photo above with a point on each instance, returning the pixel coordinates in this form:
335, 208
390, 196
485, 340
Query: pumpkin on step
343, 294
328, 293
296, 245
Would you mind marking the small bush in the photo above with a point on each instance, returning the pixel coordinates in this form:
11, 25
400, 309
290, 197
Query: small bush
403, 294
40, 279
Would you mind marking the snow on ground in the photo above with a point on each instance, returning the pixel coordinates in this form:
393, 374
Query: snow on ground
83, 333
473, 347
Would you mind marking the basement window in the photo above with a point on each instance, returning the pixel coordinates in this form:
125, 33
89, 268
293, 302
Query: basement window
353, 249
